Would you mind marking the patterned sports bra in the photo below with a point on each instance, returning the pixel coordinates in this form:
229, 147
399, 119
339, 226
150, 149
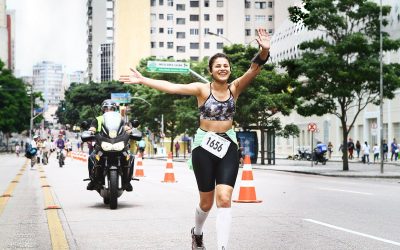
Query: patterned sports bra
215, 110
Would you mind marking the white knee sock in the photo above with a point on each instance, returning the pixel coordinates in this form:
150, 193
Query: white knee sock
200, 218
224, 218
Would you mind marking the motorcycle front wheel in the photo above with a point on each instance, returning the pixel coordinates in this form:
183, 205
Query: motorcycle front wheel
113, 189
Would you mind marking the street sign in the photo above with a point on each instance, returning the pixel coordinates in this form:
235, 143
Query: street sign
121, 97
168, 67
312, 127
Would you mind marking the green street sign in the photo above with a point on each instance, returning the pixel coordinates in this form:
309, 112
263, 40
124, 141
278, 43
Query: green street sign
168, 67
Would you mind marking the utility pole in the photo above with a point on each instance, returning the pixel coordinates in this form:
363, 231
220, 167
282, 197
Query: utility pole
381, 87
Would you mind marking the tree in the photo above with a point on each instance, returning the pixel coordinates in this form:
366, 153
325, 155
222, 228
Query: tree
342, 70
266, 96
290, 130
14, 103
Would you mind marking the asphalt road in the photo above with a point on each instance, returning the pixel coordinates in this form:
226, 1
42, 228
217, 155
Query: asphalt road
298, 211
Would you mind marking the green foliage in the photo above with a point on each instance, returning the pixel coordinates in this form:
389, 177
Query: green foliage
342, 70
14, 103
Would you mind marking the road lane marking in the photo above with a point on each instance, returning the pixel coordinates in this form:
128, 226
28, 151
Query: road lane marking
354, 232
10, 189
57, 234
346, 191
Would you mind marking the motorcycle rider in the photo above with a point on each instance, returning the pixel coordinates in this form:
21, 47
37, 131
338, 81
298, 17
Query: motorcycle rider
320, 150
95, 127
60, 144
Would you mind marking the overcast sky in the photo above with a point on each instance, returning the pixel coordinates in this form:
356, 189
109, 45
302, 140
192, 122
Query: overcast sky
53, 30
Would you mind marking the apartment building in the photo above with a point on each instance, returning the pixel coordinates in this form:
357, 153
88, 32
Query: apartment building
121, 32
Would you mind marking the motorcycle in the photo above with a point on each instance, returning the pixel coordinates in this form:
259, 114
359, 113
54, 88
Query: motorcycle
60, 157
319, 156
112, 161
302, 155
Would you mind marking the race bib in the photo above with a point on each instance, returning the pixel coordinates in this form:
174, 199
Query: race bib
215, 144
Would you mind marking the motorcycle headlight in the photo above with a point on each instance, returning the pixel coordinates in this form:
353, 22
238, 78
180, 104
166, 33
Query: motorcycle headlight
113, 147
106, 146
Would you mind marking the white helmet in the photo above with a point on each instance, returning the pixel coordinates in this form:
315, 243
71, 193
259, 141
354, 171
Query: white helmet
35, 137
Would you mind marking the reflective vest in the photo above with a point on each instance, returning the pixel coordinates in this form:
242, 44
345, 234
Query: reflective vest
100, 120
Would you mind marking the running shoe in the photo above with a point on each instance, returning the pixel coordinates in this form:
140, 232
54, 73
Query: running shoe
197, 241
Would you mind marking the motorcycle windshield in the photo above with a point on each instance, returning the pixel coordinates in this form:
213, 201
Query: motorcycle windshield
112, 121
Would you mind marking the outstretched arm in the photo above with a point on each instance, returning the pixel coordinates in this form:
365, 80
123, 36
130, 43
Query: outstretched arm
164, 86
263, 41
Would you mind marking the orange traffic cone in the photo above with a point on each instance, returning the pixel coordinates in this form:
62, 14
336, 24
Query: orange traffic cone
247, 192
139, 172
169, 170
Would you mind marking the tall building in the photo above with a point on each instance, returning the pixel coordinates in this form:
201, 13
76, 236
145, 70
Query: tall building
121, 32
11, 40
48, 78
3, 33
118, 37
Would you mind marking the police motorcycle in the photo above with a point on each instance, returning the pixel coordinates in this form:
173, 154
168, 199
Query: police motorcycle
319, 153
113, 163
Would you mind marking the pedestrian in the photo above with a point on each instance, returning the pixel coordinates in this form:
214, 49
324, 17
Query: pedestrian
358, 148
385, 150
215, 170
33, 148
142, 147
177, 147
376, 149
17, 149
155, 148
330, 149
366, 150
394, 150
350, 148
78, 146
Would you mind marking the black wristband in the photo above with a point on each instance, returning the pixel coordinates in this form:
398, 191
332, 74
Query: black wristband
257, 59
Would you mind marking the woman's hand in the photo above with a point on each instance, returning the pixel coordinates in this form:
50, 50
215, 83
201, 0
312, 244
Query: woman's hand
263, 39
134, 78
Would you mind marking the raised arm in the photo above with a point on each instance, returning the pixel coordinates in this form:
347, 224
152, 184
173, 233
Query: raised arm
161, 85
257, 62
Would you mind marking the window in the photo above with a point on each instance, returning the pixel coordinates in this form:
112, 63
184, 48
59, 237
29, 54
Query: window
220, 45
170, 31
206, 17
180, 35
170, 45
161, 30
170, 2
161, 16
270, 18
260, 5
194, 3
259, 18
220, 17
269, 4
194, 45
161, 44
180, 49
194, 58
194, 31
270, 31
247, 18
152, 30
153, 17
152, 2
206, 30
247, 4
194, 17
206, 3
220, 31
206, 45
247, 32
180, 7
180, 21
152, 45
220, 3
161, 2
170, 17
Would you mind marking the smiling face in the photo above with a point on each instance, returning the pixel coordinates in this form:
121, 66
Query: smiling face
220, 68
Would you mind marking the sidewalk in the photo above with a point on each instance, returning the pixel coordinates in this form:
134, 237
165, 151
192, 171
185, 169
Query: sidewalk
334, 167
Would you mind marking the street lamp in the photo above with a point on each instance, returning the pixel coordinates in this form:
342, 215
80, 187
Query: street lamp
214, 34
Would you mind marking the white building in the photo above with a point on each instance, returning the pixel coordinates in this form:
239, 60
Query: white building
48, 79
285, 45
3, 33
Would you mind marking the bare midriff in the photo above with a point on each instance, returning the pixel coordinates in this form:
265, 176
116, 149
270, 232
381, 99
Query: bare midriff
215, 126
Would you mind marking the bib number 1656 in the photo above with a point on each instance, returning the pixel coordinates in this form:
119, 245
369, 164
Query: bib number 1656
215, 144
